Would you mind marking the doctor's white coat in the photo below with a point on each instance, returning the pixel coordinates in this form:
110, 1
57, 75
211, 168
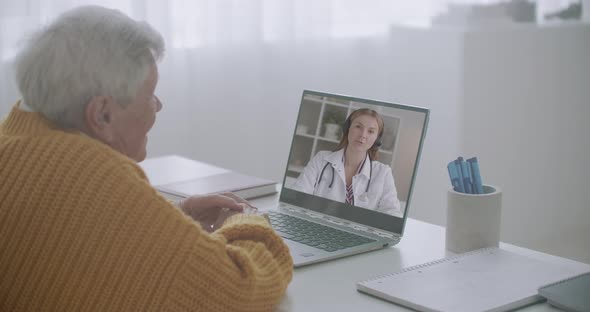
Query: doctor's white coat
382, 194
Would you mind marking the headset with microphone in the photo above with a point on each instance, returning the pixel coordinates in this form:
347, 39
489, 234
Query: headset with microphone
345, 130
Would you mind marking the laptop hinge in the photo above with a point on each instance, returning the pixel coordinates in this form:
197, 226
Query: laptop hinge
371, 230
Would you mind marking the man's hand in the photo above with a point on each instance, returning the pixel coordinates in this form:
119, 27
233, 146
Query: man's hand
212, 210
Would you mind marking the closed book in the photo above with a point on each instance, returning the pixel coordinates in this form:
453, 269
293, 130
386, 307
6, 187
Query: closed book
572, 294
183, 177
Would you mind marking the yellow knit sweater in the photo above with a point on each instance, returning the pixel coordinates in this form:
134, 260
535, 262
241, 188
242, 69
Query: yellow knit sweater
82, 229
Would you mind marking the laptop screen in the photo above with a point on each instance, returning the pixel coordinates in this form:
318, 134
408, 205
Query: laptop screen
355, 159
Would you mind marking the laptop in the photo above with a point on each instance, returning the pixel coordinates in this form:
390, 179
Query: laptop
314, 221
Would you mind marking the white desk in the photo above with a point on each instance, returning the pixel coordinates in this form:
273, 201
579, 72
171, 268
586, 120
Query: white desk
330, 286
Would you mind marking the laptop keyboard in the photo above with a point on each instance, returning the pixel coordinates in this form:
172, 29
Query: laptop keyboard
314, 234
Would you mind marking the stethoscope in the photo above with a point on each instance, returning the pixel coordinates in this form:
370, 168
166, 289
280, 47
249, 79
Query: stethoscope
363, 196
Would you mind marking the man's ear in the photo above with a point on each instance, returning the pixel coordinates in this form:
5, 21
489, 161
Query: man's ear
99, 116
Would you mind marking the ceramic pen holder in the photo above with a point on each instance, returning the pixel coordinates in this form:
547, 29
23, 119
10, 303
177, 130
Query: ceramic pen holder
473, 220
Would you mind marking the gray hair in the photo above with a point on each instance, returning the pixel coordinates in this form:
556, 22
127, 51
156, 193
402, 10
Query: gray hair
88, 51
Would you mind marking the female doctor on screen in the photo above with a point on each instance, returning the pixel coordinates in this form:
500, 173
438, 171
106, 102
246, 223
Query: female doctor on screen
352, 174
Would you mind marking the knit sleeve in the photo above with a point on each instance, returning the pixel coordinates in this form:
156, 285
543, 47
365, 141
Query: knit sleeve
243, 266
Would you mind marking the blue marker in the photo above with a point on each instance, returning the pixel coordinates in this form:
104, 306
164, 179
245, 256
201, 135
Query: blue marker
455, 175
466, 171
458, 162
476, 177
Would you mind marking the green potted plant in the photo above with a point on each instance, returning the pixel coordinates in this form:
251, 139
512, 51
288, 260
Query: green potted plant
332, 121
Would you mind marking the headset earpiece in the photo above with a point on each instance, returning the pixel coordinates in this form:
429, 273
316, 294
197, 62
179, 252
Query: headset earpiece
378, 142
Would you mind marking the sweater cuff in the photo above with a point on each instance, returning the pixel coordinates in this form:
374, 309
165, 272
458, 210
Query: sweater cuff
246, 218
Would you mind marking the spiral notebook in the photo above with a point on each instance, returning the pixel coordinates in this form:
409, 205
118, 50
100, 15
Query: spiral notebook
489, 279
570, 294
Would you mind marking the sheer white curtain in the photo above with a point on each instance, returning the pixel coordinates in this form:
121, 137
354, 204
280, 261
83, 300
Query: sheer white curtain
208, 33
231, 65
189, 24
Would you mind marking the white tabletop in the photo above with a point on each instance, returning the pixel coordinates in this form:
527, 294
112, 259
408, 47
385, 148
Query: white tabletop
331, 286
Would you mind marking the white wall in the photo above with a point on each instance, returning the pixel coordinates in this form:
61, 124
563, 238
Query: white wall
527, 104
8, 90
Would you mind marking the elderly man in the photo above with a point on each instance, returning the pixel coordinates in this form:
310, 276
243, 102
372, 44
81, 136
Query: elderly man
80, 226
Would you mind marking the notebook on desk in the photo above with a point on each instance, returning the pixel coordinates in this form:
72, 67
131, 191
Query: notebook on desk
197, 178
490, 279
319, 227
